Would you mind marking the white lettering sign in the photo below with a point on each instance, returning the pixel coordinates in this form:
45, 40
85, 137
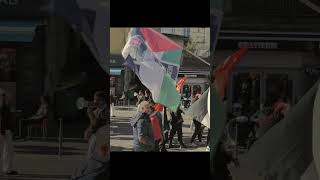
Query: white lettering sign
9, 2
258, 45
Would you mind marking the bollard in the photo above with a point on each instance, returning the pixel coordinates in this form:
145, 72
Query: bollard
60, 137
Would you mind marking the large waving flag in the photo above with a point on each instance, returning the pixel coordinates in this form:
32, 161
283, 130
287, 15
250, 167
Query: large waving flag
165, 50
316, 133
224, 71
198, 110
155, 59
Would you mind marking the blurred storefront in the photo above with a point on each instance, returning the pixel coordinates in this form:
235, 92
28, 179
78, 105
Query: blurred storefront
197, 73
271, 69
40, 51
116, 75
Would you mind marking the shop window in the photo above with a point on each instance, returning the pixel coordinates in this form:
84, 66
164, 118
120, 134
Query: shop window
7, 64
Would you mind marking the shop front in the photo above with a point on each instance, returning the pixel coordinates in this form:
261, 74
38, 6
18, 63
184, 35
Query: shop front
40, 55
197, 82
116, 76
21, 54
270, 70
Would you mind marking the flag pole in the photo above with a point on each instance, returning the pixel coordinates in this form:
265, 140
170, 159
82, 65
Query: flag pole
199, 58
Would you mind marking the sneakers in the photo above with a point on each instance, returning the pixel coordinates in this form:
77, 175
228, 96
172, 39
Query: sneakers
193, 144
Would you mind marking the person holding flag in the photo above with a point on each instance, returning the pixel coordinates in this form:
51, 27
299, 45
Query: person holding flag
176, 123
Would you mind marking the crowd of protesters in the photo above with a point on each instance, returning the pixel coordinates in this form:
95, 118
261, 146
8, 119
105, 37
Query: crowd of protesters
154, 125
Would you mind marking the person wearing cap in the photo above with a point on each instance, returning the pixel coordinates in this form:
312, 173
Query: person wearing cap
97, 166
143, 139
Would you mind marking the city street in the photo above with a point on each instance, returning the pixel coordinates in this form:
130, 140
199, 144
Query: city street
37, 160
121, 133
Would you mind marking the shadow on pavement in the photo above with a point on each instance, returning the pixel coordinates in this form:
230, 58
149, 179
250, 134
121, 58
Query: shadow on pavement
119, 149
45, 150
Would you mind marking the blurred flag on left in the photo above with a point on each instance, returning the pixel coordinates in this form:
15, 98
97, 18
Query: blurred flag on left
180, 84
155, 59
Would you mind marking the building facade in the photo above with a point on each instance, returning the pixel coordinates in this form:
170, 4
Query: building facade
41, 54
123, 79
283, 41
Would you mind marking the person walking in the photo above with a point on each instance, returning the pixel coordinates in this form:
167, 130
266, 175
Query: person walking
143, 138
176, 123
198, 126
6, 141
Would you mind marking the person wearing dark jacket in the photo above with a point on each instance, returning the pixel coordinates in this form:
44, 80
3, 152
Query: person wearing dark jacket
143, 140
176, 123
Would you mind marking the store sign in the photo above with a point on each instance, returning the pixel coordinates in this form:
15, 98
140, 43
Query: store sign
9, 2
258, 45
191, 75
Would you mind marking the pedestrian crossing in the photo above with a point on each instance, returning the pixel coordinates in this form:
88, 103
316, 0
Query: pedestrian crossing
34, 177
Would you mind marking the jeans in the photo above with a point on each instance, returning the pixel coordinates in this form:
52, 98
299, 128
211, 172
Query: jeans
6, 151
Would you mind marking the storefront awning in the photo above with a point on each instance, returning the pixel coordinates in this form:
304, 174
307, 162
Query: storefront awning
115, 71
17, 31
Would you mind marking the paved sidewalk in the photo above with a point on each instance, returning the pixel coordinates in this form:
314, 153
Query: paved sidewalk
121, 134
39, 159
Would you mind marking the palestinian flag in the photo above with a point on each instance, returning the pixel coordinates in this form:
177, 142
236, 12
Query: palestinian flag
155, 59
